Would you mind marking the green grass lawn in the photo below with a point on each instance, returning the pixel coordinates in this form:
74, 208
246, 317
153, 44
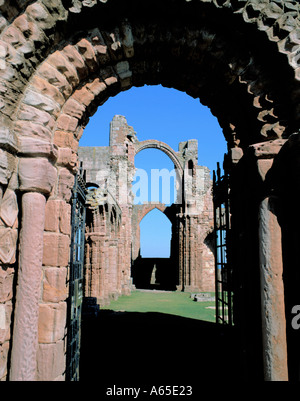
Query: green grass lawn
174, 303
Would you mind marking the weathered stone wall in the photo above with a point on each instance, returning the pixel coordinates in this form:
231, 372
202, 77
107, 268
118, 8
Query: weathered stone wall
9, 224
108, 256
111, 169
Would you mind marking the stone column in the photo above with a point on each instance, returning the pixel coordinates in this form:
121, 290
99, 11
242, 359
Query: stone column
272, 295
95, 266
88, 267
37, 176
180, 244
25, 334
271, 270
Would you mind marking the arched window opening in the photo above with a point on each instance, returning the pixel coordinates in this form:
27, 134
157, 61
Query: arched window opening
155, 237
155, 178
190, 168
154, 269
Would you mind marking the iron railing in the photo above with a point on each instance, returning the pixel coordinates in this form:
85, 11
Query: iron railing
223, 270
78, 216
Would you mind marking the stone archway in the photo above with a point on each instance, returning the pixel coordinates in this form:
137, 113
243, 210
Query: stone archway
153, 272
60, 60
139, 212
111, 168
154, 144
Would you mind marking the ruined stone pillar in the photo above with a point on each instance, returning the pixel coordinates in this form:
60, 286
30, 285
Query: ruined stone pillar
25, 334
271, 271
96, 266
272, 295
88, 267
105, 270
37, 176
180, 224
113, 266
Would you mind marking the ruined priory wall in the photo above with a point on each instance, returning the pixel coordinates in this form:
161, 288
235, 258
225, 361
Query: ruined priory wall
109, 236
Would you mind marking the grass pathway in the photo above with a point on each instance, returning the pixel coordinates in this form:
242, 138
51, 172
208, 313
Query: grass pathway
174, 303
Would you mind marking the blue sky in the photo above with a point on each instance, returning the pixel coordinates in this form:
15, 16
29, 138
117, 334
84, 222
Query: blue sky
170, 116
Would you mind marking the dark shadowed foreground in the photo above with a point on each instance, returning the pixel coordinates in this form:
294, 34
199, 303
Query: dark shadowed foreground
132, 348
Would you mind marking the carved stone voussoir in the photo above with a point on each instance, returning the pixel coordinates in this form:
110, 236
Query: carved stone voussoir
36, 175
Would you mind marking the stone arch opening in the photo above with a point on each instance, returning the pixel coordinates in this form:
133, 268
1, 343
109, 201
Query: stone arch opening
162, 218
158, 181
157, 268
153, 269
53, 80
190, 168
154, 144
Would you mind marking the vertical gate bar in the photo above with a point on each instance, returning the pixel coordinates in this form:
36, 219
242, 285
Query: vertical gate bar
76, 278
222, 262
227, 225
217, 216
216, 249
223, 267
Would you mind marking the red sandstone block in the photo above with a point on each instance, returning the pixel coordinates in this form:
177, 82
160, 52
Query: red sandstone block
65, 218
55, 284
58, 61
14, 37
4, 348
7, 166
74, 108
58, 216
30, 29
56, 249
65, 184
22, 23
74, 57
67, 123
79, 132
41, 102
52, 322
67, 158
40, 15
27, 128
84, 96
5, 321
52, 213
56, 78
9, 208
36, 147
96, 87
8, 245
65, 140
36, 174
111, 80
43, 86
87, 51
35, 115
6, 284
50, 361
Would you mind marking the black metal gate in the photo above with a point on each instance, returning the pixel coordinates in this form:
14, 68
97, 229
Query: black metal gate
76, 277
223, 268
